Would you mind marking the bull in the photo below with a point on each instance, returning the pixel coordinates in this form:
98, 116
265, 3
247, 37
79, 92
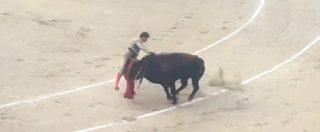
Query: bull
166, 69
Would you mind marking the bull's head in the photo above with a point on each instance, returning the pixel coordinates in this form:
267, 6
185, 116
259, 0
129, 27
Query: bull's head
135, 69
139, 68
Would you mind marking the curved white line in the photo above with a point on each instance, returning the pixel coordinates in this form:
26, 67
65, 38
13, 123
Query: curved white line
55, 94
276, 67
110, 81
262, 2
256, 13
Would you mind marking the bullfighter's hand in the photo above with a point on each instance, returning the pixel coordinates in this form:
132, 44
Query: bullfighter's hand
134, 59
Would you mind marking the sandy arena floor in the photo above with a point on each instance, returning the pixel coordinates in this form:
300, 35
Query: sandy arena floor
58, 59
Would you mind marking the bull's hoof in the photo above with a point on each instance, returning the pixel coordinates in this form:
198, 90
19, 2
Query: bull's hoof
134, 92
174, 102
128, 96
190, 98
169, 97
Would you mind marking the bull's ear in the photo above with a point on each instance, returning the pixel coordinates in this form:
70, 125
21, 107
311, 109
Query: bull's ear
152, 54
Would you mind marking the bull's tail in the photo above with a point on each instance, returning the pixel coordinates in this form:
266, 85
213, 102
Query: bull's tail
201, 67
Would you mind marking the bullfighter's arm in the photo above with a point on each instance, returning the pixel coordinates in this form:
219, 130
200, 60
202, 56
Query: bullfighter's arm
145, 49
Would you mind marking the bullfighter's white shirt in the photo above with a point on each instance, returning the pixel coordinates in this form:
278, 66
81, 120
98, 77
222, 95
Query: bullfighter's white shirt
137, 45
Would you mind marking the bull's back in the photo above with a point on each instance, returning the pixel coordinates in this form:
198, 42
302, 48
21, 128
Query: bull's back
182, 64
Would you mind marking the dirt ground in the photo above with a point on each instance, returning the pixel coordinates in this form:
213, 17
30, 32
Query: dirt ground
50, 46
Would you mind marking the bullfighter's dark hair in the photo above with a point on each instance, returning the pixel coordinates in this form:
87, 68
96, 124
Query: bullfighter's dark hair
144, 34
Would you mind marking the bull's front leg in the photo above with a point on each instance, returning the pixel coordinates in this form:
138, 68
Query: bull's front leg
173, 92
166, 89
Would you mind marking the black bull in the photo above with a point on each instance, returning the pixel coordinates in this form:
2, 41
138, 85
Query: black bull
166, 69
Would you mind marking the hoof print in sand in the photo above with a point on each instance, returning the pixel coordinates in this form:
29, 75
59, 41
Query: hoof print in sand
205, 32
224, 28
83, 31
129, 119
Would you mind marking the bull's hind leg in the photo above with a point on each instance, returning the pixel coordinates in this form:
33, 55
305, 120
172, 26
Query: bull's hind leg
173, 92
195, 83
184, 84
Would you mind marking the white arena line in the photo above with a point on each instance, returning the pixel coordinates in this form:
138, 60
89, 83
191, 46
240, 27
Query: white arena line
258, 10
55, 94
283, 63
214, 94
144, 115
255, 14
